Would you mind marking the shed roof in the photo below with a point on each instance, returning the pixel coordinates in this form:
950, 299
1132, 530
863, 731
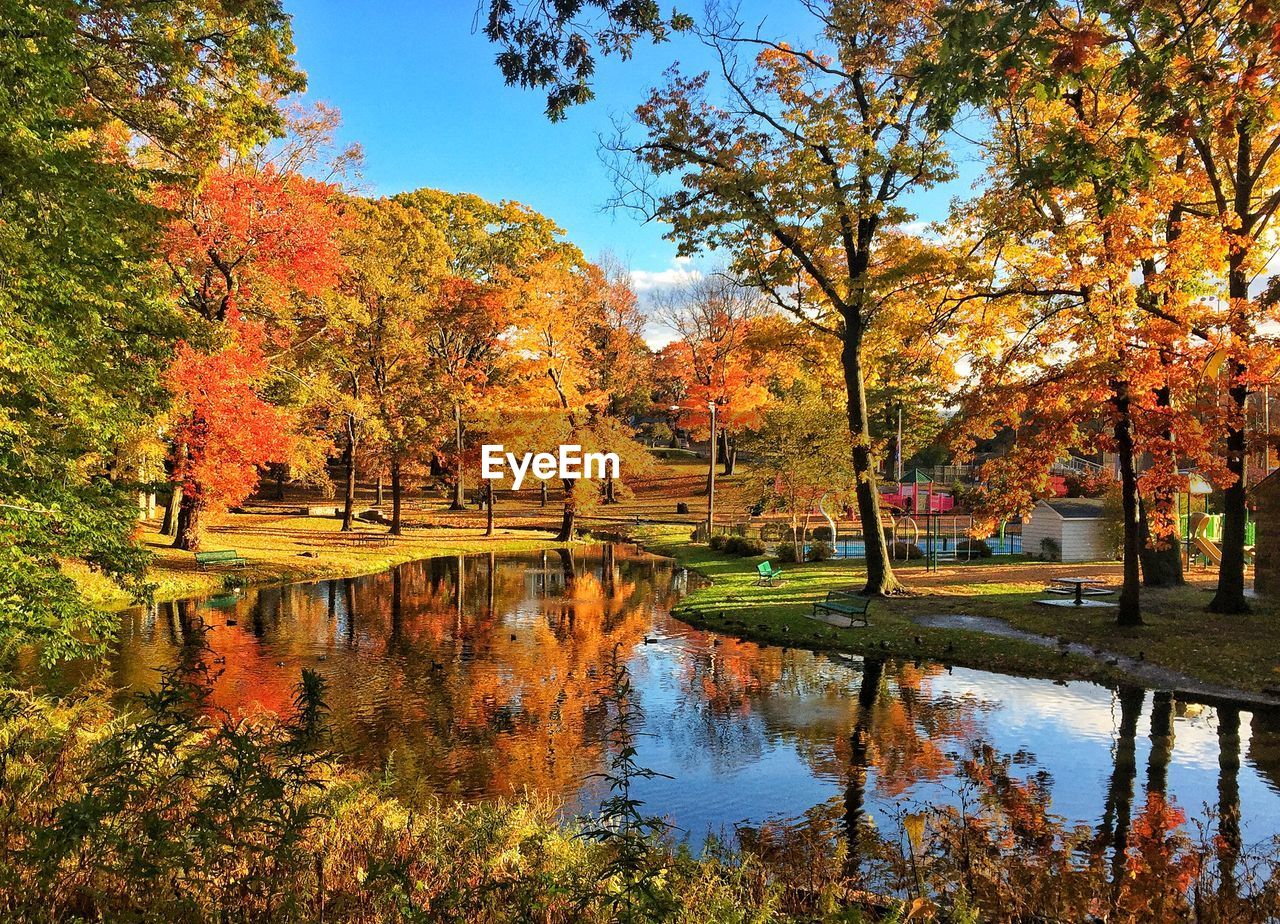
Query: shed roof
1075, 508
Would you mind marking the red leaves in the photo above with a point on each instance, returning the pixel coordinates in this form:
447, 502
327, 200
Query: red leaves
224, 429
251, 238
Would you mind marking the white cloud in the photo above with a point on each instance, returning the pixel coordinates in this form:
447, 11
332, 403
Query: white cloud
645, 281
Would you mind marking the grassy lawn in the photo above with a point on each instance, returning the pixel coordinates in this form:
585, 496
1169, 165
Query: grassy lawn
1241, 652
293, 548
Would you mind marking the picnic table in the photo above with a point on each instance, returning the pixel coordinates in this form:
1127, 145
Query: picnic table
1078, 588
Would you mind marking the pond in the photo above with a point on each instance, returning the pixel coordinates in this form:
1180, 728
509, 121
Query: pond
488, 675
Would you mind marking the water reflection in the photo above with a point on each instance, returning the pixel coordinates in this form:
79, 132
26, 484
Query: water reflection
483, 675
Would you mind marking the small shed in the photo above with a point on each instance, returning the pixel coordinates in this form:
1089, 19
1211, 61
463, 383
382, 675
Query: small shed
1266, 548
1075, 524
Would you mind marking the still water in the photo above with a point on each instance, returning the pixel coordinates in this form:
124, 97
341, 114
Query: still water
486, 675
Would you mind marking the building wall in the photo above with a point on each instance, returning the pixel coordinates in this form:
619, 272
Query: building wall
1266, 551
1043, 523
1082, 540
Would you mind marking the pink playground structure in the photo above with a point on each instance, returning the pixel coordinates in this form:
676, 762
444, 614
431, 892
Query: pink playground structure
917, 493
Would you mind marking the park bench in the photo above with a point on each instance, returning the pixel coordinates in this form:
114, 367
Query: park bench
767, 573
229, 557
842, 609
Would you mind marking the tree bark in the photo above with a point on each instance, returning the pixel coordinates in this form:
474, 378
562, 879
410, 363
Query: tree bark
188, 526
169, 527
459, 488
1130, 613
728, 453
1162, 567
880, 578
1230, 594
396, 494
349, 496
568, 519
488, 521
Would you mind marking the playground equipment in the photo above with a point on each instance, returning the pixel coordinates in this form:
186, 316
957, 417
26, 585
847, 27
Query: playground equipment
1199, 526
916, 494
1204, 533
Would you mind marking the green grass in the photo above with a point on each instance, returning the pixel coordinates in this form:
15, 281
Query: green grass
1239, 652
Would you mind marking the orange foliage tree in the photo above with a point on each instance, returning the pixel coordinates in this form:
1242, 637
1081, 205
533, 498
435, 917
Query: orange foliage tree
223, 430
717, 356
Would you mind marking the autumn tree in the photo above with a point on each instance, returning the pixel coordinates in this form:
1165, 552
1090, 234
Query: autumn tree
222, 429
100, 105
488, 243
798, 170
1081, 119
715, 319
554, 305
384, 315
1203, 77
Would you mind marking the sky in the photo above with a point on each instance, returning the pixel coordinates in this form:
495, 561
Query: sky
419, 90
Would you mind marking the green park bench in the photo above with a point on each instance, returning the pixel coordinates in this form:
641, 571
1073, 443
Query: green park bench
842, 609
229, 557
767, 573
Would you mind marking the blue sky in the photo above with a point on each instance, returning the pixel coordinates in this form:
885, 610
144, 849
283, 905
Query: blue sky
419, 90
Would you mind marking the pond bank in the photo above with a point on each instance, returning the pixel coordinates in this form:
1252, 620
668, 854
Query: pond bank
1202, 654
283, 548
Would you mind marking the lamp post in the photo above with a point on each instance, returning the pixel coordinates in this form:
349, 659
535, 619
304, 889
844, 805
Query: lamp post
711, 472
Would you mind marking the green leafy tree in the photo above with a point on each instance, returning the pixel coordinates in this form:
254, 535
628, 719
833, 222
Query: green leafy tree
94, 102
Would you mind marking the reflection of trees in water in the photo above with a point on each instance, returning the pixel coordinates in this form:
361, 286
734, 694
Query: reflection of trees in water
462, 667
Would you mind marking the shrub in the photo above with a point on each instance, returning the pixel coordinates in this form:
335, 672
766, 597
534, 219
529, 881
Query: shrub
908, 551
821, 534
1050, 550
717, 542
820, 551
786, 551
741, 545
973, 548
682, 507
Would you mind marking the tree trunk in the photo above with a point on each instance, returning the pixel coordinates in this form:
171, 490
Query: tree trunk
570, 511
169, 527
729, 453
1130, 613
396, 493
488, 519
459, 488
1162, 567
542, 491
379, 492
349, 497
188, 526
610, 491
1230, 595
880, 579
